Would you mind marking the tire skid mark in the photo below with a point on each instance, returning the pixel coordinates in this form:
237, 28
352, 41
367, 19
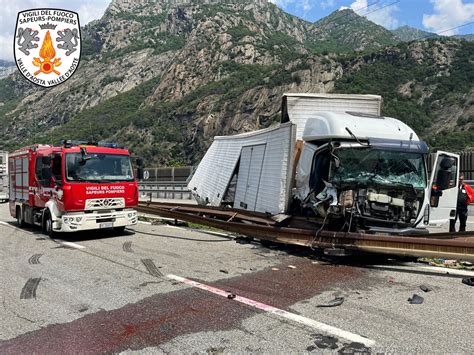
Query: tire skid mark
29, 290
152, 268
127, 247
34, 259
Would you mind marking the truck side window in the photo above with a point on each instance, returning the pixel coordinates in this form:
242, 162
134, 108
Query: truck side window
319, 172
38, 169
446, 173
43, 171
57, 168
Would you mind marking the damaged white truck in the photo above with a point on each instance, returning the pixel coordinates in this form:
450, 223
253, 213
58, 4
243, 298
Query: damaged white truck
335, 163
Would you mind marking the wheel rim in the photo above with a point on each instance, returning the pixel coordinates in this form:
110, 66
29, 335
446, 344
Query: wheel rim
48, 225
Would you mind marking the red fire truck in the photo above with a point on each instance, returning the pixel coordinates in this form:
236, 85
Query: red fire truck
73, 187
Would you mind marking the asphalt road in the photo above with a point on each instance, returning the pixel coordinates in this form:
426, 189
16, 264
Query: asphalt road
164, 289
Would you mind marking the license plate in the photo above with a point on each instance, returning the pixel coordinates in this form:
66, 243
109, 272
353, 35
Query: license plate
106, 225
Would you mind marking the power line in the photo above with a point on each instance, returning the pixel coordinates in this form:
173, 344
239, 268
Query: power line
443, 31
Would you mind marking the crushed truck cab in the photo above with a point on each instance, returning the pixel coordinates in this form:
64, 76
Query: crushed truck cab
73, 187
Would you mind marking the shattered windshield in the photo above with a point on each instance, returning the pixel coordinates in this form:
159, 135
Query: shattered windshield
98, 167
386, 167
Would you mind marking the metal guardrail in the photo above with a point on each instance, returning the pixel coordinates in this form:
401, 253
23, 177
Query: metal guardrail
440, 245
168, 190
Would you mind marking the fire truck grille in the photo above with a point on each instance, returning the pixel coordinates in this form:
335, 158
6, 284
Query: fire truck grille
105, 203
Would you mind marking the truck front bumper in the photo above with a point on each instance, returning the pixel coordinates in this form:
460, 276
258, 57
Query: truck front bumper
79, 221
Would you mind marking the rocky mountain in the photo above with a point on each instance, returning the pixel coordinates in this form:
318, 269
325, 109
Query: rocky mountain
344, 30
469, 37
408, 34
164, 77
6, 68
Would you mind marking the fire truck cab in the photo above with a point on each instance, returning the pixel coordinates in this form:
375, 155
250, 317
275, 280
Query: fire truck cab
73, 187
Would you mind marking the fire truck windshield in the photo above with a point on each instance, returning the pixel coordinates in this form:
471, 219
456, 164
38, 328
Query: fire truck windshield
97, 167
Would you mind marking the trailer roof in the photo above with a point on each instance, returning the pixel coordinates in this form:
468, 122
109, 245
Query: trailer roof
298, 108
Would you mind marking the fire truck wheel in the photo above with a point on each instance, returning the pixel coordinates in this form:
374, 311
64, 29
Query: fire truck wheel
48, 224
19, 218
119, 230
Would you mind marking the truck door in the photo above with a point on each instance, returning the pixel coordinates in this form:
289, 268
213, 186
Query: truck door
250, 170
443, 188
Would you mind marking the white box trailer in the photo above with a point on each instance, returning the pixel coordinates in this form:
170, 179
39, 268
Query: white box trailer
4, 176
260, 162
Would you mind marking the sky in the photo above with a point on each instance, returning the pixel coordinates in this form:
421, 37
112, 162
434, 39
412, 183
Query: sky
439, 16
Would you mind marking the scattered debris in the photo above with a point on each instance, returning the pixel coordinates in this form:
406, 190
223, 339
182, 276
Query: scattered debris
231, 296
425, 288
354, 348
315, 262
334, 303
224, 271
275, 269
448, 263
391, 279
215, 351
143, 284
291, 267
415, 299
468, 281
325, 342
243, 240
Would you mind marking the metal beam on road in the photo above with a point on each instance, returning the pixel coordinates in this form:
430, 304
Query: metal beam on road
461, 247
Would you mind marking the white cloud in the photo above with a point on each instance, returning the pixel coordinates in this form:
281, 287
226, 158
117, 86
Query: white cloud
304, 5
381, 14
88, 10
448, 14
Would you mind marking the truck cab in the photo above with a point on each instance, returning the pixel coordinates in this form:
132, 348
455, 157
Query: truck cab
74, 187
369, 173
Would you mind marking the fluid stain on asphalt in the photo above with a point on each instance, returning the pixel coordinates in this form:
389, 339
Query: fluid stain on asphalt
162, 317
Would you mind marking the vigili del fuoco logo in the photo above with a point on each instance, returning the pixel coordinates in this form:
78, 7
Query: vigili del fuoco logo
47, 45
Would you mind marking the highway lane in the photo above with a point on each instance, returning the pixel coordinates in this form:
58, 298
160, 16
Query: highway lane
101, 292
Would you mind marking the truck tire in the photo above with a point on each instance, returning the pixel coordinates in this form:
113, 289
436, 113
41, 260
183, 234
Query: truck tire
48, 225
19, 217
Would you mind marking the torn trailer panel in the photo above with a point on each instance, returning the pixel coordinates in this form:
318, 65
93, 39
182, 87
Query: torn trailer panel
250, 171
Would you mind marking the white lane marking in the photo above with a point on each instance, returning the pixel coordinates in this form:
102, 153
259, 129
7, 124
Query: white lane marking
423, 268
4, 223
279, 312
70, 244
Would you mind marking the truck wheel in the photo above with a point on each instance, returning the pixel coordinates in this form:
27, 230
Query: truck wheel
19, 218
48, 225
119, 230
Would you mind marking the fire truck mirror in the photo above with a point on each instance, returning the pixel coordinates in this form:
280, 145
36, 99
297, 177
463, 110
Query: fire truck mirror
140, 173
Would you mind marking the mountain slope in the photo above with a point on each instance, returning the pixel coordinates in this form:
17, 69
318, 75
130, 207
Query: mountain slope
344, 30
165, 77
408, 34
